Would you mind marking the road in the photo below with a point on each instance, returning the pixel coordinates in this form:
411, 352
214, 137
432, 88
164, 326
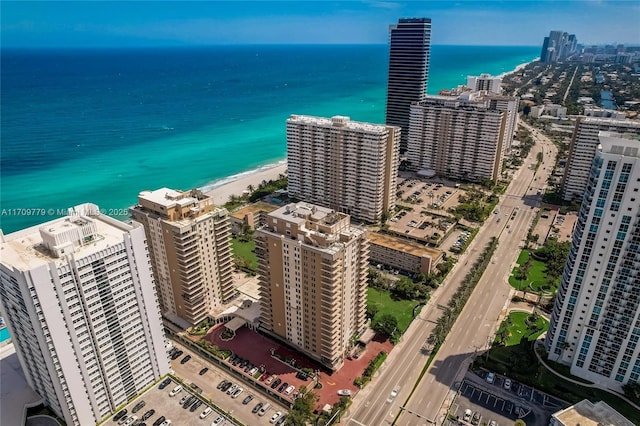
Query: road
475, 325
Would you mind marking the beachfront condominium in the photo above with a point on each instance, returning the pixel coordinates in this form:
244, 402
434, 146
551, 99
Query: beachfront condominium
344, 165
485, 82
78, 296
313, 280
190, 250
558, 46
584, 143
409, 49
595, 325
458, 137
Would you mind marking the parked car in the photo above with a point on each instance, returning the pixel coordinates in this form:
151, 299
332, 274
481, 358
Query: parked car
467, 415
148, 414
218, 421
289, 389
185, 359
275, 417
507, 384
491, 377
276, 383
207, 411
120, 415
203, 371
281, 421
236, 393
166, 382
476, 418
283, 387
302, 376
257, 407
247, 399
175, 391
232, 389
130, 420
138, 407
270, 379
176, 355
253, 371
159, 421
195, 405
221, 384
123, 420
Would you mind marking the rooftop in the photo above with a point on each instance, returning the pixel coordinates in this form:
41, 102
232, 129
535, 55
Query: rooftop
168, 197
586, 413
84, 232
259, 206
400, 244
339, 121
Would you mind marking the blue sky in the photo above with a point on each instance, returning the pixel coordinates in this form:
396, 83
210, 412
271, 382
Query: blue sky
462, 22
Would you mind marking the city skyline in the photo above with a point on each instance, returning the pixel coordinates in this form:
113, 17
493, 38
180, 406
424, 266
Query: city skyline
147, 24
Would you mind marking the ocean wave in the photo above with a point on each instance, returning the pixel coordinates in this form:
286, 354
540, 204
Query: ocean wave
223, 181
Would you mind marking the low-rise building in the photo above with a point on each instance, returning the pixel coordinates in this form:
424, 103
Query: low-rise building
404, 255
250, 217
586, 413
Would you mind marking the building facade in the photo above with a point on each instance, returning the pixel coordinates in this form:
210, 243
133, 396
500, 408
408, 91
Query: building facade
595, 325
584, 142
313, 279
79, 299
401, 254
409, 51
190, 250
344, 165
485, 82
457, 137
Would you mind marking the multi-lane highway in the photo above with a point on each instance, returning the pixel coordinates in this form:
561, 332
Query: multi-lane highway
375, 405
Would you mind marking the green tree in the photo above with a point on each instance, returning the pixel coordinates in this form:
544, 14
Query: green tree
387, 324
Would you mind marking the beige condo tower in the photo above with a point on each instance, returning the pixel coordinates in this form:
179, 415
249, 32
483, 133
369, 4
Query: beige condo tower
190, 248
313, 280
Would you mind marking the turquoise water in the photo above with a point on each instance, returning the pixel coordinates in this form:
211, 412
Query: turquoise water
4, 334
102, 125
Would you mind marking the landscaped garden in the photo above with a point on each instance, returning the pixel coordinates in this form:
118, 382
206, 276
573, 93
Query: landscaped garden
533, 275
381, 306
243, 252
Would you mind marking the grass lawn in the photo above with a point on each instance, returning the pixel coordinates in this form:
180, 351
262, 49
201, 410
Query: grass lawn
536, 276
401, 309
245, 250
518, 328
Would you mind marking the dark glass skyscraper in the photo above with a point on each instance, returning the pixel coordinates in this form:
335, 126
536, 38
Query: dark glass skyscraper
409, 48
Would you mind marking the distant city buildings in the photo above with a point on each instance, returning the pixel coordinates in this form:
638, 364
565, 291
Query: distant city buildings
583, 149
595, 325
464, 136
190, 250
409, 50
344, 165
485, 82
78, 296
558, 47
313, 279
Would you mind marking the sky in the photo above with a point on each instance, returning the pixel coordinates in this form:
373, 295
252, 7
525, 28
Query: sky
164, 23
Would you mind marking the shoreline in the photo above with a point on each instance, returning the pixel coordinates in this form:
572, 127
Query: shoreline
222, 189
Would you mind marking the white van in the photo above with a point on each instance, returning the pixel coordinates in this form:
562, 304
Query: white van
207, 411
175, 390
264, 409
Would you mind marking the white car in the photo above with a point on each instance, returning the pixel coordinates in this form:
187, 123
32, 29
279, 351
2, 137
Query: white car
236, 393
207, 411
289, 390
491, 377
218, 421
130, 420
175, 391
275, 417
467, 415
507, 384
392, 395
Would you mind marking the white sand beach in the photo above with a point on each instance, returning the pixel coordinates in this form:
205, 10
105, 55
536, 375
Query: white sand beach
222, 193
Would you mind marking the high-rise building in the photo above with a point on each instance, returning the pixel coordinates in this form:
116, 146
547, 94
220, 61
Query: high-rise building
409, 49
344, 165
78, 296
545, 54
313, 280
584, 142
485, 82
458, 137
595, 325
190, 249
558, 46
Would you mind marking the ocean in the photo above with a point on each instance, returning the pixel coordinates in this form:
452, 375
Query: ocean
102, 125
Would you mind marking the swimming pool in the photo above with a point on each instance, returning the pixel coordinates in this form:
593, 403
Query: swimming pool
4, 334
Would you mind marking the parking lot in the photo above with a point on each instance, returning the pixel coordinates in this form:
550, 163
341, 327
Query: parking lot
160, 405
502, 403
208, 383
